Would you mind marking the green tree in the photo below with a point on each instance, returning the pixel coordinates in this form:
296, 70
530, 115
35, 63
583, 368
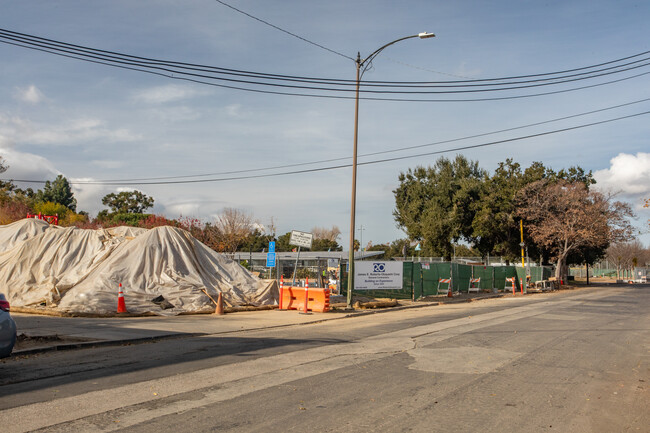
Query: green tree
282, 243
435, 204
255, 241
128, 202
320, 244
397, 248
495, 228
58, 191
51, 208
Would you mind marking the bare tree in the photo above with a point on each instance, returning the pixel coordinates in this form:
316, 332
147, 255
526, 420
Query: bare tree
233, 226
565, 217
627, 256
331, 235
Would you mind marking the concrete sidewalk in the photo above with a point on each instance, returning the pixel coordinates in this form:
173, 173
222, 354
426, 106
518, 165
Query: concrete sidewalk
39, 333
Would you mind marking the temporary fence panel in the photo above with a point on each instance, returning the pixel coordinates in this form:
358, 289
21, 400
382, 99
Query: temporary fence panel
485, 274
422, 279
461, 274
537, 273
500, 275
416, 279
511, 272
540, 273
521, 276
431, 274
407, 279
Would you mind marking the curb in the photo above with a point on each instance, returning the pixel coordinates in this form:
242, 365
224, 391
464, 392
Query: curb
139, 340
101, 343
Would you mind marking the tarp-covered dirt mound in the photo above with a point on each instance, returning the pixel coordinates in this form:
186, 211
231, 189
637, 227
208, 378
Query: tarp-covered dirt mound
79, 271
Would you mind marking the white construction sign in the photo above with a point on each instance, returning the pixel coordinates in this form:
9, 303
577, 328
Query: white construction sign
300, 239
370, 275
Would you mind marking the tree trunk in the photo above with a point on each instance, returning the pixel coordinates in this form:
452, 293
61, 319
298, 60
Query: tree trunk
560, 268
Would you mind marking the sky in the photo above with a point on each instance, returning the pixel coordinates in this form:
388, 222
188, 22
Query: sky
94, 122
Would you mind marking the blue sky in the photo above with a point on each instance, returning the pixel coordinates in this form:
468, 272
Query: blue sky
95, 122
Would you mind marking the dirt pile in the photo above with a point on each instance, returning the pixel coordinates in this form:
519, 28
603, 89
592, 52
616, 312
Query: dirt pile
75, 270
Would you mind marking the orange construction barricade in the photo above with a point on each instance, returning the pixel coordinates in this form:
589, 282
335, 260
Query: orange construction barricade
511, 280
293, 298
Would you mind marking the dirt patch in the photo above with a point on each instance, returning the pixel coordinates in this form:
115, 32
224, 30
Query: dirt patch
24, 341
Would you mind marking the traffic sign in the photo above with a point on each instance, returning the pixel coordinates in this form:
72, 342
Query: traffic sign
270, 260
272, 247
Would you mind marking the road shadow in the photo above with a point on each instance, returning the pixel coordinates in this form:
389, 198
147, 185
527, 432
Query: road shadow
98, 367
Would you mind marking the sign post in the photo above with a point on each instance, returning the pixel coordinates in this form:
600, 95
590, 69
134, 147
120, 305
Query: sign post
270, 258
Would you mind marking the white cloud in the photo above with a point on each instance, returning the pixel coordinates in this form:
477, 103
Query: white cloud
28, 166
89, 197
19, 130
627, 174
184, 209
30, 95
168, 93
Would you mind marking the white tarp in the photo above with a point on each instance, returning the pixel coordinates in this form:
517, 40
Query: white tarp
76, 270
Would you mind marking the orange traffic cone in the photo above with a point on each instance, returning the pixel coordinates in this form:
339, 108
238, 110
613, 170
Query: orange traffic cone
219, 309
121, 306
450, 293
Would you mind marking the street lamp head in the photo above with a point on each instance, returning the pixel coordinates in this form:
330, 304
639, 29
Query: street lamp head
425, 35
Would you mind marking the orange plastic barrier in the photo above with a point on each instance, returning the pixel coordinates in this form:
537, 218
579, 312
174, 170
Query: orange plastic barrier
293, 298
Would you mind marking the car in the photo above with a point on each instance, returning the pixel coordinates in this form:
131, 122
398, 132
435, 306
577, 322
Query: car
7, 328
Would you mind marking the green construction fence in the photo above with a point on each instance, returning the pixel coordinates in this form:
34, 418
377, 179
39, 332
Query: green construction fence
421, 279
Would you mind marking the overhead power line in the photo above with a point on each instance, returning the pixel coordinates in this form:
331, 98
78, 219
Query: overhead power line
377, 161
323, 47
333, 88
383, 152
284, 31
44, 44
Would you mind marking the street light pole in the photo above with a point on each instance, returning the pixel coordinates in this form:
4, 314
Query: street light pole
362, 66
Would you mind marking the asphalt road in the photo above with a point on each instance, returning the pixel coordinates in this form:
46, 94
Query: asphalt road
574, 361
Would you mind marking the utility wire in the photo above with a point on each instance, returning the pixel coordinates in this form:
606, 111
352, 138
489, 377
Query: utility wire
383, 152
170, 74
378, 161
325, 48
48, 45
314, 95
284, 31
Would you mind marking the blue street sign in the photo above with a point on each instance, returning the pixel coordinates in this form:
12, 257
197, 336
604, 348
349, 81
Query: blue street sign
270, 260
271, 247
